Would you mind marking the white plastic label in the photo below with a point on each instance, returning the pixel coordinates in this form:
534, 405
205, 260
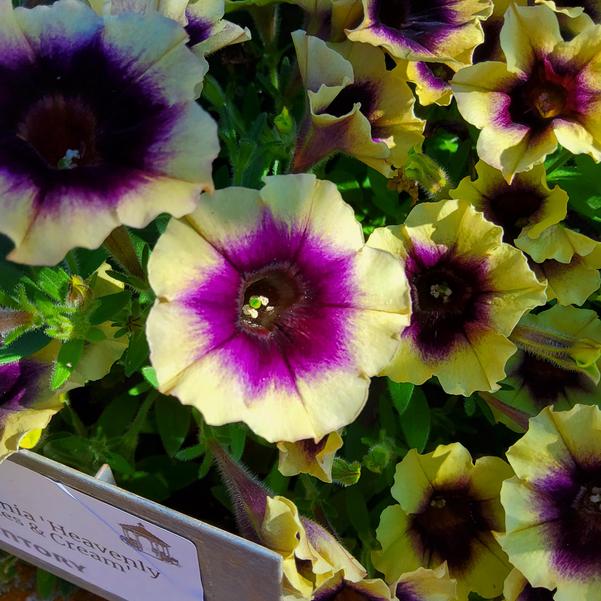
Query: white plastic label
96, 542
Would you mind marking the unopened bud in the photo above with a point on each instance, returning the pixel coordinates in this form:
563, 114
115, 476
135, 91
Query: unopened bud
429, 175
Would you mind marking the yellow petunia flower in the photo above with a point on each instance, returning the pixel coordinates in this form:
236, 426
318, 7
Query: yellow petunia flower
526, 207
277, 314
310, 457
553, 504
340, 589
468, 291
99, 126
547, 92
448, 510
434, 31
558, 362
567, 261
356, 106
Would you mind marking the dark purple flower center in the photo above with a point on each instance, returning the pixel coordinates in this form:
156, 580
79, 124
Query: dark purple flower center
545, 95
535, 594
448, 294
447, 526
62, 131
362, 92
571, 508
547, 382
310, 447
512, 209
269, 297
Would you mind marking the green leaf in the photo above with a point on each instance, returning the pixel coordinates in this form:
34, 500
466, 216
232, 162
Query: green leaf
173, 423
346, 473
416, 421
53, 282
150, 375
66, 362
137, 353
401, 395
108, 307
24, 346
45, 583
191, 453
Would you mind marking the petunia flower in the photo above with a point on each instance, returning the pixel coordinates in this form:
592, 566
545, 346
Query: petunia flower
448, 508
468, 291
26, 401
558, 362
98, 126
546, 93
517, 588
277, 315
356, 106
203, 21
311, 555
553, 503
309, 457
434, 31
426, 585
567, 261
526, 207
339, 589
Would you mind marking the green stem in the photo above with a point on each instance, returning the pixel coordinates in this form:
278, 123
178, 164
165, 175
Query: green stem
560, 161
130, 440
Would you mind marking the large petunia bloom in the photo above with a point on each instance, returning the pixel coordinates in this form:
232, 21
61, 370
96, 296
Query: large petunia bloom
203, 21
98, 126
567, 261
448, 510
558, 362
526, 207
553, 505
277, 314
432, 30
356, 106
468, 289
26, 401
548, 92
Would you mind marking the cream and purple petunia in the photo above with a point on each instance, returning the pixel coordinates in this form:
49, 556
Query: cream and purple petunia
469, 289
524, 208
429, 30
98, 126
547, 92
276, 314
558, 362
340, 589
553, 504
448, 509
26, 401
356, 106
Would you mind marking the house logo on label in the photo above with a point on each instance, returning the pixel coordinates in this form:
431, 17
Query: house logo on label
141, 539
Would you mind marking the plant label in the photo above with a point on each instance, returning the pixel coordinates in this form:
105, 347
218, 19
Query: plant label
120, 546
